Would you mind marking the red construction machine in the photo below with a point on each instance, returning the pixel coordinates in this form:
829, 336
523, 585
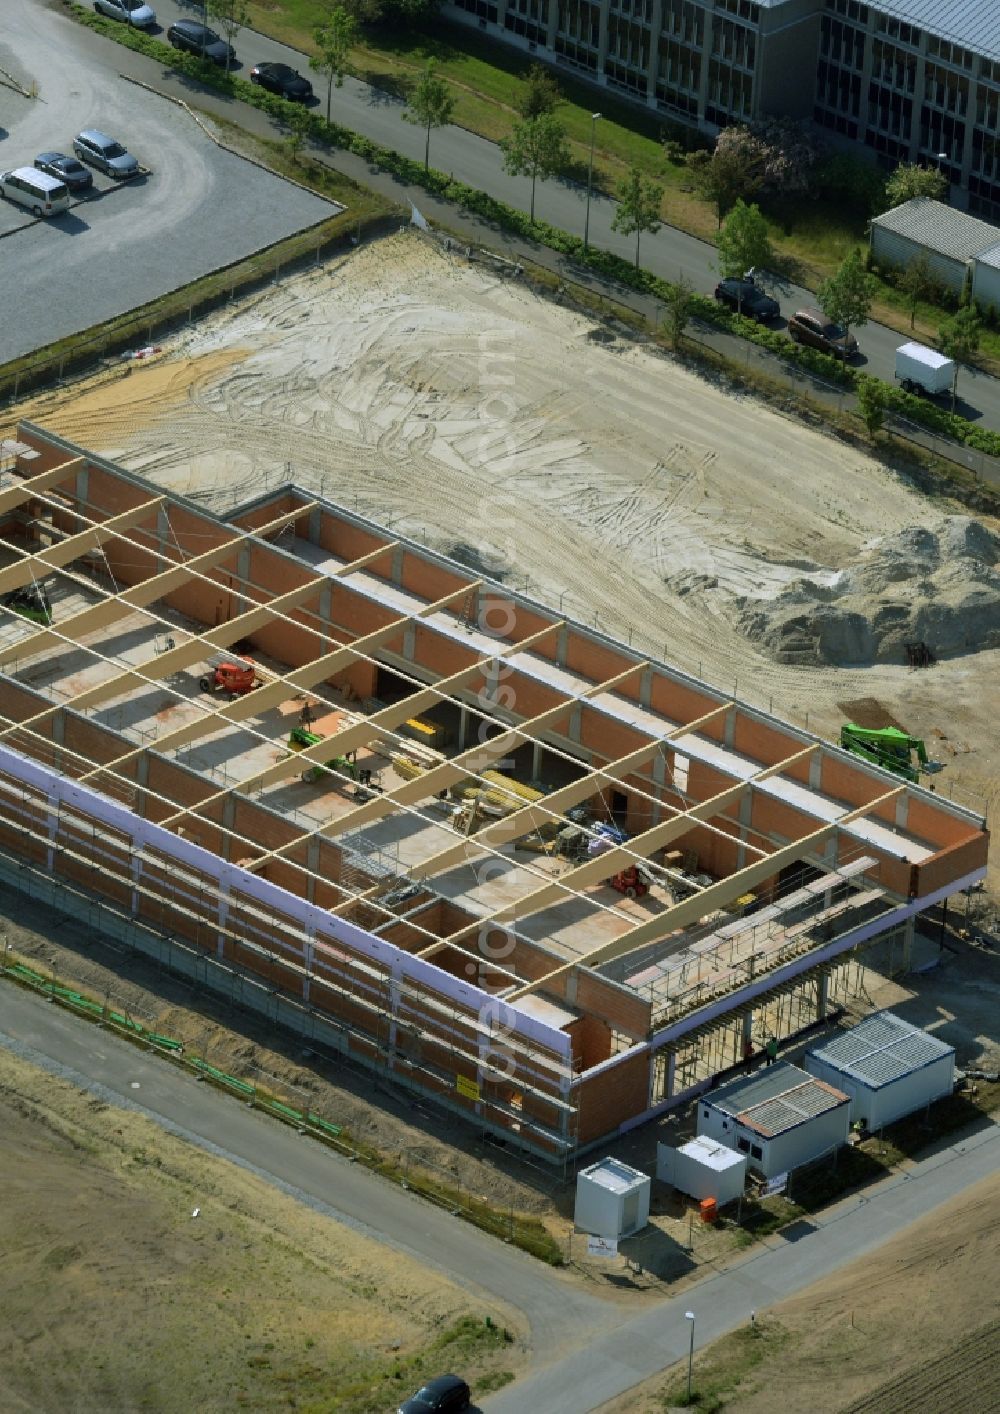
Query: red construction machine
233, 677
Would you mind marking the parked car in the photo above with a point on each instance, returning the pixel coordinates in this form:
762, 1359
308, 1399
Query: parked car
747, 298
283, 80
133, 12
439, 1396
105, 153
199, 39
811, 327
41, 194
67, 169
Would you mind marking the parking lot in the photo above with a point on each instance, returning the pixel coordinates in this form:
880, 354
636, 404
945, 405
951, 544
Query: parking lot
198, 208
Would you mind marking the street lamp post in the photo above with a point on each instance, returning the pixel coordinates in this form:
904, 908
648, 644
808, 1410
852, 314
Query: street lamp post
689, 1316
941, 157
590, 178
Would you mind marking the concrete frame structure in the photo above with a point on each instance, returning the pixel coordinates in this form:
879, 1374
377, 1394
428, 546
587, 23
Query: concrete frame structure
524, 993
909, 79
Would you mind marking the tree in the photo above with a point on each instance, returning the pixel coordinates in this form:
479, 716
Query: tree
430, 105
872, 399
230, 16
846, 297
724, 178
540, 93
297, 122
781, 155
909, 180
958, 338
334, 39
743, 242
536, 148
678, 306
639, 201
918, 282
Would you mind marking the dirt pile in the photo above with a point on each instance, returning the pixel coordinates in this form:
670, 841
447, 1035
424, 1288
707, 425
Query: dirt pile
937, 586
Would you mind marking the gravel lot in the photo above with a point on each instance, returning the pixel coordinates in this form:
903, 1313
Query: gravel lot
200, 207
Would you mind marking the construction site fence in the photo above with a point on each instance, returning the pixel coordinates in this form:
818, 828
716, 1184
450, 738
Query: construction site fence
504, 1222
136, 329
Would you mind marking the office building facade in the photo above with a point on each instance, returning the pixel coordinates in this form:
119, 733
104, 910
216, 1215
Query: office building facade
910, 80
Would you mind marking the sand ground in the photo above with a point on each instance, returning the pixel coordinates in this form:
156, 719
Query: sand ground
553, 451
117, 1298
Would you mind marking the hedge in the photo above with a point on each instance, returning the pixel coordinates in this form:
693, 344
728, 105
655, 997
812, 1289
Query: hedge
508, 218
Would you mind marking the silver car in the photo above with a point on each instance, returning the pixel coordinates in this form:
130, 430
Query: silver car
133, 12
105, 153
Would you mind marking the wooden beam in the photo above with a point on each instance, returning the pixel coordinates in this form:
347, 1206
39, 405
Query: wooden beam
13, 496
595, 871
138, 596
41, 564
690, 910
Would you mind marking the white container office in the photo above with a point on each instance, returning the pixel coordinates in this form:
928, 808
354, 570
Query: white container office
612, 1199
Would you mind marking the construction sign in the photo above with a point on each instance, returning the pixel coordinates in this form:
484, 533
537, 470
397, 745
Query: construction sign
468, 1088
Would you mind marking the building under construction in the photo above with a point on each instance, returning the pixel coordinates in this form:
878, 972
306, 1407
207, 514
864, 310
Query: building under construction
493, 854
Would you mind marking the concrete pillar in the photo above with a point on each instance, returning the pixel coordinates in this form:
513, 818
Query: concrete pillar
659, 779
902, 810
562, 643
918, 99
602, 40
162, 536
646, 687
729, 730
325, 614
536, 761
907, 944
396, 572
463, 727
671, 1079
228, 823
575, 718
551, 24
746, 1033
409, 642
822, 995
240, 603
652, 70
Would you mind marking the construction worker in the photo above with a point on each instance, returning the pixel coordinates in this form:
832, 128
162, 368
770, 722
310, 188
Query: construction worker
306, 717
748, 1054
771, 1049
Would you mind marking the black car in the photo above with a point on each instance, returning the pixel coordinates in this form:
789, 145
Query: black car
199, 39
283, 80
439, 1396
747, 298
67, 169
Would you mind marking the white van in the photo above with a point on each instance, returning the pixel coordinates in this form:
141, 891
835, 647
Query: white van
41, 194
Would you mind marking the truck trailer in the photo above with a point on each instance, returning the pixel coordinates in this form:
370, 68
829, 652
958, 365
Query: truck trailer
923, 370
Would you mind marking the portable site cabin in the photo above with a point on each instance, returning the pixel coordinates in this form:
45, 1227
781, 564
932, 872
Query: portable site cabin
612, 1199
780, 1118
888, 1067
702, 1168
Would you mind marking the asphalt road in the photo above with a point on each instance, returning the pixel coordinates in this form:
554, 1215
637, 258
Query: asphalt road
471, 159
586, 1350
200, 208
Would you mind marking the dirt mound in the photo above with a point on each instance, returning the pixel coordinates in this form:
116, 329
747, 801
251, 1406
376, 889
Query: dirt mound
937, 586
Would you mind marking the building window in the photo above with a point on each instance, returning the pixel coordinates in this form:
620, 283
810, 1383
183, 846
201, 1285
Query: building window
756, 1152
849, 8
743, 1145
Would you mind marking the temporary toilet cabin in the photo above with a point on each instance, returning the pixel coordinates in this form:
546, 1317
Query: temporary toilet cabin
780, 1118
612, 1199
703, 1168
888, 1067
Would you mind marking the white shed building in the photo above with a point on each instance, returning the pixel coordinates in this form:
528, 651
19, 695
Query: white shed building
951, 239
986, 278
612, 1199
703, 1169
780, 1119
888, 1067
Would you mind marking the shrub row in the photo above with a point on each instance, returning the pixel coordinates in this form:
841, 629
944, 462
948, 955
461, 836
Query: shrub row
508, 218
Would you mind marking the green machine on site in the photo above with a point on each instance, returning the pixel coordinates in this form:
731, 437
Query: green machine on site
31, 602
890, 748
299, 738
